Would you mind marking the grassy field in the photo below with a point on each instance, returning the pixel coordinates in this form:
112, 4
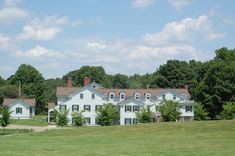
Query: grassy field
13, 131
189, 138
38, 120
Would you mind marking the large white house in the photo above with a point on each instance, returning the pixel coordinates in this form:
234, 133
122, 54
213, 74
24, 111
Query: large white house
20, 108
129, 101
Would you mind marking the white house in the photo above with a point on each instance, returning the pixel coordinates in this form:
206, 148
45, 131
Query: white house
129, 101
20, 108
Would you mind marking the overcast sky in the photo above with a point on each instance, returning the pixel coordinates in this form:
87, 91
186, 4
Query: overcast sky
123, 36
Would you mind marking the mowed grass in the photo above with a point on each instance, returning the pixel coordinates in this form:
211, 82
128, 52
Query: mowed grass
13, 131
188, 138
38, 120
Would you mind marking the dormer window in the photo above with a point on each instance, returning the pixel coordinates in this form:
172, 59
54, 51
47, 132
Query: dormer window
111, 95
183, 96
137, 96
148, 96
164, 97
174, 97
122, 96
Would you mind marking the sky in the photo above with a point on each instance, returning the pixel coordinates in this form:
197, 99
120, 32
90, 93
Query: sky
123, 36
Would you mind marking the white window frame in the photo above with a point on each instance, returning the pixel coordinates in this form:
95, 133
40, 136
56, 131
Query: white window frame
128, 119
18, 110
87, 106
75, 110
111, 96
63, 107
93, 98
124, 96
129, 110
134, 108
188, 108
174, 97
148, 96
81, 96
137, 95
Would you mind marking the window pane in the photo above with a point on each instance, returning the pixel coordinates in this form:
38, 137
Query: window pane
87, 107
92, 96
127, 108
81, 96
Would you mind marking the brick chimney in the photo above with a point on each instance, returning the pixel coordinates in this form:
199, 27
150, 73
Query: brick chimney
69, 82
147, 86
87, 81
186, 87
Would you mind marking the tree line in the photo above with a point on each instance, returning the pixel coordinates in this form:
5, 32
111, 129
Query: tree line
211, 83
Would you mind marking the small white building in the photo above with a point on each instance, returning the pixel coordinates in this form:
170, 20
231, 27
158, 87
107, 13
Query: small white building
20, 108
128, 101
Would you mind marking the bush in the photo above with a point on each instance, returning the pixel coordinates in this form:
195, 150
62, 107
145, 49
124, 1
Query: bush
107, 115
169, 110
200, 113
145, 115
228, 111
78, 119
61, 117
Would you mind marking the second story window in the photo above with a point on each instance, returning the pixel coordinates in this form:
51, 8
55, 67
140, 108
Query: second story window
63, 107
188, 108
87, 108
92, 96
97, 107
81, 96
136, 108
75, 108
127, 108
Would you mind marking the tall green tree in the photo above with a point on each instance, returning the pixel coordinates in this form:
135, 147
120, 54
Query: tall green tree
169, 110
8, 91
32, 84
107, 115
120, 81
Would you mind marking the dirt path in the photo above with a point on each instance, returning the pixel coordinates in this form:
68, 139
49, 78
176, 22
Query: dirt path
34, 128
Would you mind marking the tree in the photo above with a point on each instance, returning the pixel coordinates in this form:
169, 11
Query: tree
145, 115
199, 112
8, 91
2, 81
78, 119
5, 117
107, 114
169, 110
61, 117
32, 84
228, 111
120, 81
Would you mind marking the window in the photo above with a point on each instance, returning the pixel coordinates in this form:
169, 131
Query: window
63, 107
87, 108
81, 96
183, 97
97, 107
122, 96
75, 108
135, 121
148, 96
111, 95
174, 97
163, 97
188, 108
18, 110
136, 108
137, 96
92, 96
127, 108
128, 121
87, 121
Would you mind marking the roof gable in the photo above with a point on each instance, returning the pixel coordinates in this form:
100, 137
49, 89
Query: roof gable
28, 102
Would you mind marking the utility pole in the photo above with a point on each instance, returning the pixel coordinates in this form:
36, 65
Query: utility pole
19, 90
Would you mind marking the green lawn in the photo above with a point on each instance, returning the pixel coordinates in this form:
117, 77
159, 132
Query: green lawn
13, 131
38, 120
189, 138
